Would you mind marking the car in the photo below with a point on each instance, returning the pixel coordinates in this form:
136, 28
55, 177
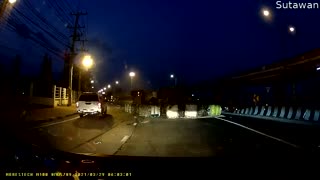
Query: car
91, 103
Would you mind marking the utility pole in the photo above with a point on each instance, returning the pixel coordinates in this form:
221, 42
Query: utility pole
75, 37
79, 69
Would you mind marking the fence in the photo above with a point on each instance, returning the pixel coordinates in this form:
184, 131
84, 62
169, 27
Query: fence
59, 98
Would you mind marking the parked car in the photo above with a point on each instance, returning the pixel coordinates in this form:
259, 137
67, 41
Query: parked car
91, 103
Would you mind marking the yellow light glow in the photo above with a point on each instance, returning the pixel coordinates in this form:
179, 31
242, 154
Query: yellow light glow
132, 74
12, 1
266, 12
87, 61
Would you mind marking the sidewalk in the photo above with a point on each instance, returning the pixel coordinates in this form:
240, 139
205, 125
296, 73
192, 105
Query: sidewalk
51, 113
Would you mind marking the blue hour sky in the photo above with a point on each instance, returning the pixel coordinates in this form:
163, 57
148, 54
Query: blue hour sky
196, 40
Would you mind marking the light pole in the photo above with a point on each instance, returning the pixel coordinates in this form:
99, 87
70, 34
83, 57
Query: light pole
131, 74
87, 63
172, 76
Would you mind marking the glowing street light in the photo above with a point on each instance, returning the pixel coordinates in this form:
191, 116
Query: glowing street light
92, 87
104, 88
292, 29
92, 81
265, 12
131, 74
117, 82
87, 61
175, 79
12, 1
109, 86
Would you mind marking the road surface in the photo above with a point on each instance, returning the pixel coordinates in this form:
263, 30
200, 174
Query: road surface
120, 133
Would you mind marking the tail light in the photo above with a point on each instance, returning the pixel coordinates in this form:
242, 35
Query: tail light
77, 104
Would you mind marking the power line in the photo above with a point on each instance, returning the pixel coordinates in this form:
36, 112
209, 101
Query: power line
34, 23
37, 14
13, 24
68, 5
62, 10
60, 17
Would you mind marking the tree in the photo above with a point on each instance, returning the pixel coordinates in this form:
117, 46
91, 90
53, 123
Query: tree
15, 74
45, 83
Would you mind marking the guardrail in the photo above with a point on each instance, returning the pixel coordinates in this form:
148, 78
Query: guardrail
287, 114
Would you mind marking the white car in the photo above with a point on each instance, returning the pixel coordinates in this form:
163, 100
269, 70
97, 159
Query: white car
90, 103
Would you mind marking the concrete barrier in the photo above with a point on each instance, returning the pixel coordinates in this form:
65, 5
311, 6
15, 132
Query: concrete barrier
191, 111
256, 110
263, 109
250, 111
316, 115
290, 113
247, 111
172, 112
275, 112
155, 111
298, 114
282, 112
307, 114
269, 111
214, 110
285, 114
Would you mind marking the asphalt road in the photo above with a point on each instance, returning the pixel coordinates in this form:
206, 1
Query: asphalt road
120, 133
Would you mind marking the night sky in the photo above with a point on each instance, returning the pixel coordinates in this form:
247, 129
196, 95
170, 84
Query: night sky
196, 40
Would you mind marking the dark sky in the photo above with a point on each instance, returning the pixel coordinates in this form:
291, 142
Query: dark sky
197, 40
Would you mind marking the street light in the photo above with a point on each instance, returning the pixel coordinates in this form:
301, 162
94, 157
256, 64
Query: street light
292, 30
12, 1
104, 88
131, 74
117, 82
87, 61
109, 86
265, 12
92, 81
175, 79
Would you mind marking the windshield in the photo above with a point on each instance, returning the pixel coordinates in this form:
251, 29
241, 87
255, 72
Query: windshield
173, 78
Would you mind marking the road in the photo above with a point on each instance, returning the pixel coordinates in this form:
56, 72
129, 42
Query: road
120, 133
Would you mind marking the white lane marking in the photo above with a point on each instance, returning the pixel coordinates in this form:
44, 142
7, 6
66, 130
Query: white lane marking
50, 124
125, 138
258, 132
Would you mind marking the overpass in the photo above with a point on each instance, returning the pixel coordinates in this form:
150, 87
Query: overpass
292, 81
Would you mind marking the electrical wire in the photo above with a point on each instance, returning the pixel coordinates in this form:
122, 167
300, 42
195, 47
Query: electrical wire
37, 25
38, 15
